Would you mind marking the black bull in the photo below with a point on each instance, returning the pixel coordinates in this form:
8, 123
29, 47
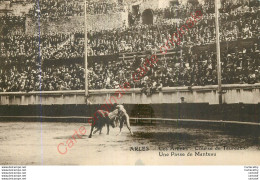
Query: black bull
100, 121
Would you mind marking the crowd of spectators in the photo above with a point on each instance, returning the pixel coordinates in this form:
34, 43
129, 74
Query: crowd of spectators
54, 10
241, 66
208, 8
17, 46
182, 11
21, 69
193, 68
12, 20
234, 26
33, 78
95, 7
24, 46
11, 25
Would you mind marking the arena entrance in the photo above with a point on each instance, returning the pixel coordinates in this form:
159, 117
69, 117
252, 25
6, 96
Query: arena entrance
135, 10
147, 16
174, 3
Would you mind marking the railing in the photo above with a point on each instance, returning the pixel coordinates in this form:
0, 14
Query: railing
137, 90
232, 93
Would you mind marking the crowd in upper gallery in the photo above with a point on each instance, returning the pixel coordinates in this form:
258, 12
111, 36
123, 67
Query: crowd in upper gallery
21, 68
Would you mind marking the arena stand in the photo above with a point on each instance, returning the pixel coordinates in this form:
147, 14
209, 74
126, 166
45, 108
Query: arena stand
21, 71
194, 68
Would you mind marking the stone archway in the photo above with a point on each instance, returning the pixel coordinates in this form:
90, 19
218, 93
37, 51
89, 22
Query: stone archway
147, 16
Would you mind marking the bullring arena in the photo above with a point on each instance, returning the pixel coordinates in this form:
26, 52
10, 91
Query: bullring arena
34, 143
197, 103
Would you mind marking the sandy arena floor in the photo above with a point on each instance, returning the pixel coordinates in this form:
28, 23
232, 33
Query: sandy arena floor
33, 143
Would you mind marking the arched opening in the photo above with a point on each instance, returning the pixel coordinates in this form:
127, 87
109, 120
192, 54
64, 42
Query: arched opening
147, 16
194, 2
